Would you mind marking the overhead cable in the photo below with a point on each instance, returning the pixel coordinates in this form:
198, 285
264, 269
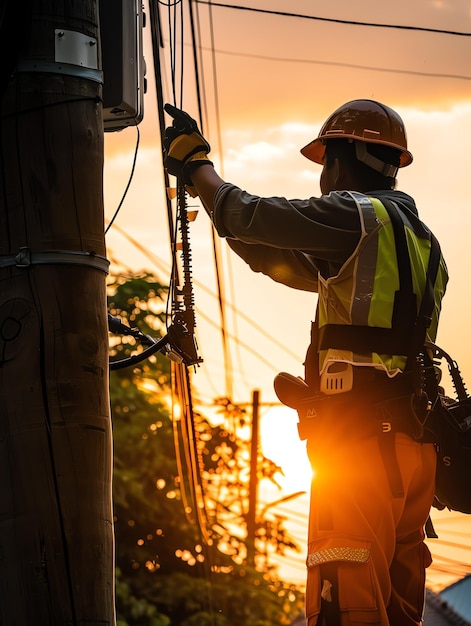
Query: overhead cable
163, 267
370, 68
336, 21
228, 370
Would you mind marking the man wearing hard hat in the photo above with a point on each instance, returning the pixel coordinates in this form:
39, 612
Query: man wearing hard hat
362, 247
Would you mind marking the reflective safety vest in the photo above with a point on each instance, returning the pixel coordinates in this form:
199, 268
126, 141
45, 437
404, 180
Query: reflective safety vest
357, 318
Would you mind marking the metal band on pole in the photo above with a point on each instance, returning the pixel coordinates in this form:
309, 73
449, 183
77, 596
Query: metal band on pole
25, 258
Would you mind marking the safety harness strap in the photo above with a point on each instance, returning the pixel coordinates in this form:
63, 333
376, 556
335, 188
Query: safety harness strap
364, 339
407, 333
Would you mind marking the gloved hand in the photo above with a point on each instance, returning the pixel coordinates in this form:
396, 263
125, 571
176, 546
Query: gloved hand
185, 148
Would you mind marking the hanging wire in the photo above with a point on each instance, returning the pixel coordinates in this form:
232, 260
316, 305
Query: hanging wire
131, 175
189, 455
186, 447
181, 304
216, 245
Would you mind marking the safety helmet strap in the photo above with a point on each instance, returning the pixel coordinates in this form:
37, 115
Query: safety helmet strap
362, 154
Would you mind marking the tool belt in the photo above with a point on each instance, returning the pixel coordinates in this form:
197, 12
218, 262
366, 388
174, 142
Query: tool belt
382, 404
377, 406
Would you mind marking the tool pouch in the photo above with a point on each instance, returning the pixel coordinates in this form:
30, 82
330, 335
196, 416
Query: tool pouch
291, 390
294, 392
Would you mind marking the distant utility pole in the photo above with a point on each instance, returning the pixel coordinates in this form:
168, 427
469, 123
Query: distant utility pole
56, 534
253, 482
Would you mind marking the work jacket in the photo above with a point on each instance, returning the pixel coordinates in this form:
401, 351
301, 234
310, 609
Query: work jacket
317, 244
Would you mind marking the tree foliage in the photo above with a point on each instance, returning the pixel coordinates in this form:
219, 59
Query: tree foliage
166, 573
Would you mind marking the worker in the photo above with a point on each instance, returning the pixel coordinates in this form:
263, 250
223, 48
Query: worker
373, 478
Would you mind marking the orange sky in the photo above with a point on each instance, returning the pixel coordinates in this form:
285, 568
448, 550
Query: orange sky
273, 80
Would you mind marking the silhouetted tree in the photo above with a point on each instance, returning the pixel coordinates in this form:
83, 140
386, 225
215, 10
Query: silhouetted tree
166, 573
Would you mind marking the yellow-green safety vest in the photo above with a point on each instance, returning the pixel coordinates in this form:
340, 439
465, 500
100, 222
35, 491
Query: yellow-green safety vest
362, 294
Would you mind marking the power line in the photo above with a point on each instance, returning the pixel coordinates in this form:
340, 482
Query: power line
336, 21
164, 268
352, 66
326, 63
451, 544
228, 370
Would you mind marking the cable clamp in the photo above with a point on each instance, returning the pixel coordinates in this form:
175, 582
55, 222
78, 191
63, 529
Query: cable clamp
25, 258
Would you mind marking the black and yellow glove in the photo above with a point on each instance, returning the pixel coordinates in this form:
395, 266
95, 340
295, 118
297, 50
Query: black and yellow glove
185, 148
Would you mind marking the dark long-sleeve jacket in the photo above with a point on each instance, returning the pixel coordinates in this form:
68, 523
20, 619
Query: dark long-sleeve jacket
291, 241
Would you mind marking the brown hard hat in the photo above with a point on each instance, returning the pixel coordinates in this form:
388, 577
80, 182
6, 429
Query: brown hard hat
363, 120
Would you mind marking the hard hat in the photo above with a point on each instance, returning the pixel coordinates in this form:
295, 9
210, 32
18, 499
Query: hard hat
367, 121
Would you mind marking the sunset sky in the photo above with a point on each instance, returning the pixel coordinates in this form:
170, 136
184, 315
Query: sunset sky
267, 83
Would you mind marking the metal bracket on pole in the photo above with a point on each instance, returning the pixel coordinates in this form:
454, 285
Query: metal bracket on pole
75, 54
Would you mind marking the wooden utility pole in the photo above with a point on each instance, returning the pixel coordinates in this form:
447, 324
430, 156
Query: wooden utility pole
253, 483
56, 531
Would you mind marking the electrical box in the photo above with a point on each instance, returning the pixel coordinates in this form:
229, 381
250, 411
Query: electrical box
124, 82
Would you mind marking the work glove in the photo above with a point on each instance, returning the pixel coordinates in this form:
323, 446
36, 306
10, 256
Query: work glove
185, 148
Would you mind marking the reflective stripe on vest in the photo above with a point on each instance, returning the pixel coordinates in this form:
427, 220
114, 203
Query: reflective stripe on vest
362, 294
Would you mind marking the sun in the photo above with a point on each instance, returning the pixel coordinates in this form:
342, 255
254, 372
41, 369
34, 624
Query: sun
280, 443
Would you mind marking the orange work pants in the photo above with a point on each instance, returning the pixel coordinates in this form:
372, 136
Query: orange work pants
366, 552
